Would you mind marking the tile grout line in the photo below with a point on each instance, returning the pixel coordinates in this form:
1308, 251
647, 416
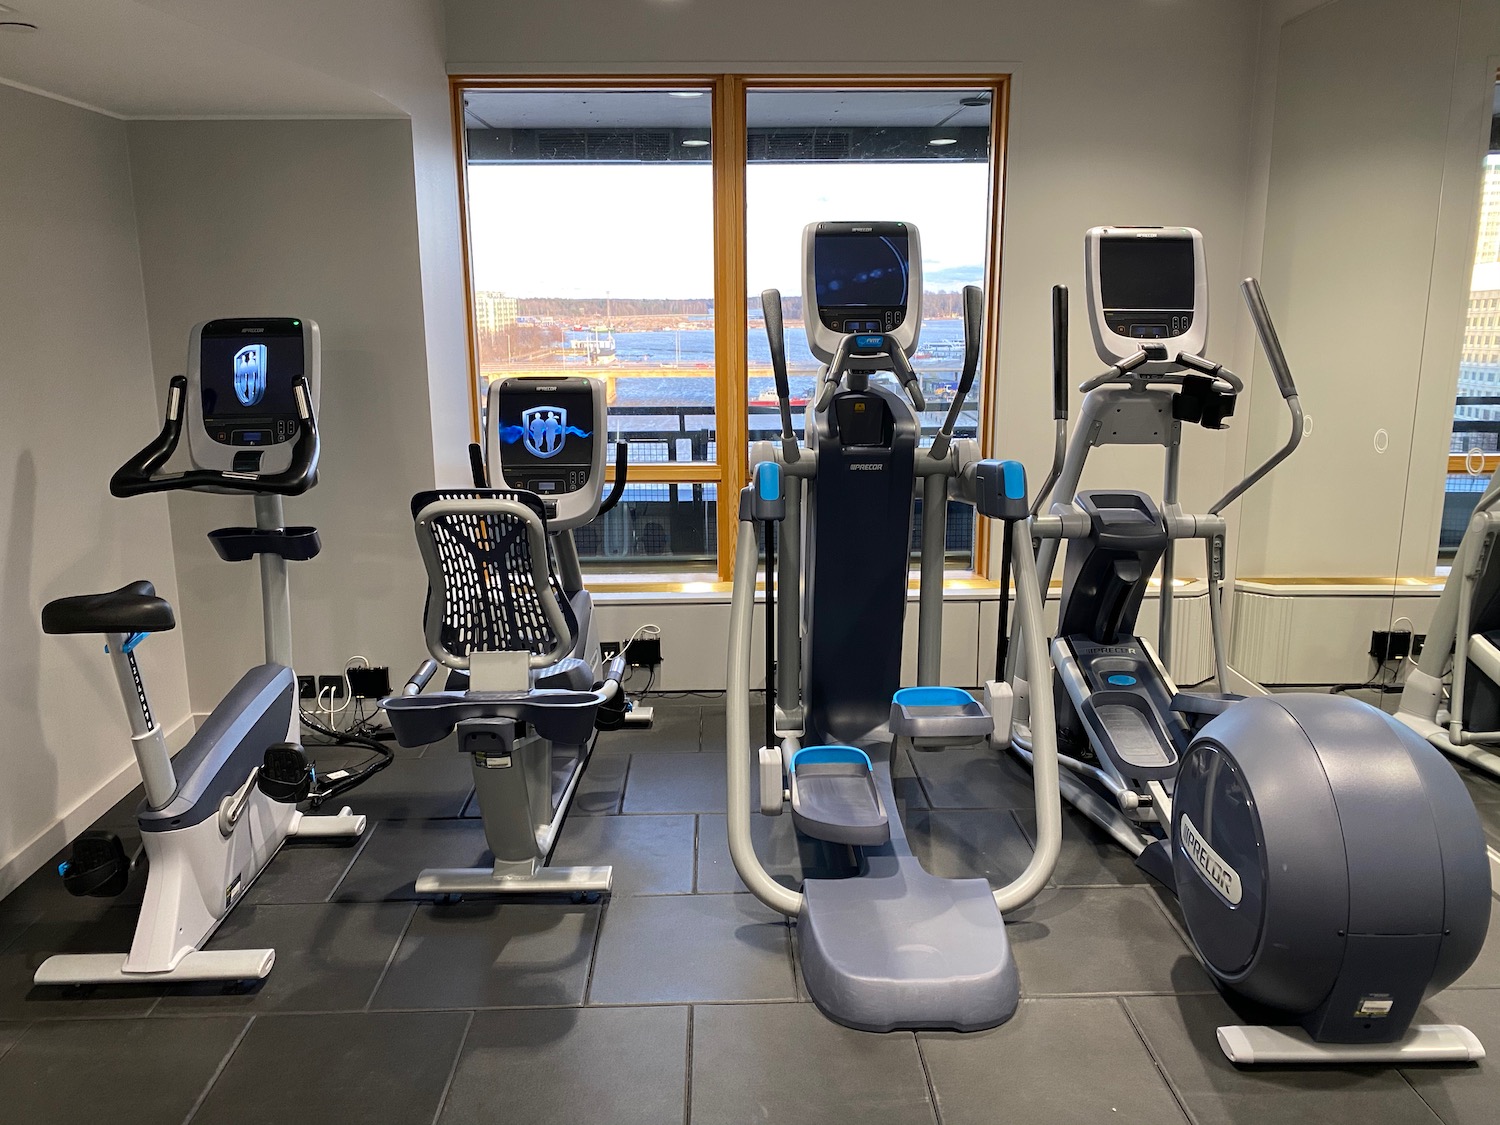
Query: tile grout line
1436, 1116
624, 784
697, 830
937, 1113
588, 981
391, 957
687, 1074
369, 834
218, 1071
453, 1070
1177, 1095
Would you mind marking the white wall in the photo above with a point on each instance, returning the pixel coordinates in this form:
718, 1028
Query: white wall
1092, 139
77, 380
314, 219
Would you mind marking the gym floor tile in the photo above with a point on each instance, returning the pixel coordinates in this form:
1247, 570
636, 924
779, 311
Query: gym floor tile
1461, 1094
1180, 1032
329, 957
651, 855
969, 843
673, 728
716, 724
1098, 940
305, 870
679, 949
291, 1069
624, 1066
600, 789
492, 954
1089, 856
975, 1076
434, 785
789, 858
791, 1065
399, 850
110, 932
973, 777
906, 785
675, 783
120, 1071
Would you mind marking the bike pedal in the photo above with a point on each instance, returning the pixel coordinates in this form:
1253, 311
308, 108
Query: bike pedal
98, 866
285, 774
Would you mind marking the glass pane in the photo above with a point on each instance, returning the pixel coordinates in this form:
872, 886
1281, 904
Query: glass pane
1476, 412
591, 242
919, 155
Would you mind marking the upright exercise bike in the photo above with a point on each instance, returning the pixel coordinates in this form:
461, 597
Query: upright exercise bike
213, 817
1329, 864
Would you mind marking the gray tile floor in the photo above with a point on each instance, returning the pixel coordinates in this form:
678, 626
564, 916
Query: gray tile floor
678, 1000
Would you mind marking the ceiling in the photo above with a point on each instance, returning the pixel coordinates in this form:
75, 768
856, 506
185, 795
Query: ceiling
139, 58
658, 109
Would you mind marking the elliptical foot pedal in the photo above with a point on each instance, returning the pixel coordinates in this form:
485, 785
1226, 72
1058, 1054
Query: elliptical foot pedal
936, 717
98, 867
285, 774
834, 796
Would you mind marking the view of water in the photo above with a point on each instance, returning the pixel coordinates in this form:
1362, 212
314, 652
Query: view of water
940, 352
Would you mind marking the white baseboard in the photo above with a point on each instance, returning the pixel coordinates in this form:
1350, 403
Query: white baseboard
17, 867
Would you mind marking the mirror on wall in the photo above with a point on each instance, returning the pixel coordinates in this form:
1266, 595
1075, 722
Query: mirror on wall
1340, 546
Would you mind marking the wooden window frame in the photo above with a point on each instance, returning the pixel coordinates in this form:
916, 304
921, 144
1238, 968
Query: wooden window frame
731, 299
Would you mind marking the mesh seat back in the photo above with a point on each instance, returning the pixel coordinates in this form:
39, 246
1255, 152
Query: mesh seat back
482, 589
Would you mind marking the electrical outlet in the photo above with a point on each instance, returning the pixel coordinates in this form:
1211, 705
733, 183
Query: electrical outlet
1416, 645
608, 650
335, 684
307, 687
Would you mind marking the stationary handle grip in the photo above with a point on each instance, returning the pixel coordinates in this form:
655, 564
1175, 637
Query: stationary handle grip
477, 467
770, 309
1270, 343
1059, 352
973, 327
973, 335
617, 487
138, 475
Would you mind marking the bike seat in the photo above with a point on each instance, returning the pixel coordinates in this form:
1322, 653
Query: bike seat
133, 608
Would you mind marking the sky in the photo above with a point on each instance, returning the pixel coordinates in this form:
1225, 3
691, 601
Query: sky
646, 230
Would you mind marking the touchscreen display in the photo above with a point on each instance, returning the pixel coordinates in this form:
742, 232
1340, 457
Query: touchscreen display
248, 369
861, 270
545, 426
1146, 273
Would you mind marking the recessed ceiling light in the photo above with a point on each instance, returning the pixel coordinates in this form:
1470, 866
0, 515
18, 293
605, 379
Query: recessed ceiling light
685, 93
940, 141
17, 27
694, 143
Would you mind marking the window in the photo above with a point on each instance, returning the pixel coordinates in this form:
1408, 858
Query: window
624, 228
1474, 448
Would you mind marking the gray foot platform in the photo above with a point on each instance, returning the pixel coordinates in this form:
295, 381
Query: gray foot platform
906, 949
834, 797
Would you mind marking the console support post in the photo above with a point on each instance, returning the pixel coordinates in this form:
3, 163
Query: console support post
275, 591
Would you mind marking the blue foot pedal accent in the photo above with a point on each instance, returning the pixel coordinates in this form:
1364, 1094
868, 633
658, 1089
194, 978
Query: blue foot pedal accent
934, 717
834, 796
